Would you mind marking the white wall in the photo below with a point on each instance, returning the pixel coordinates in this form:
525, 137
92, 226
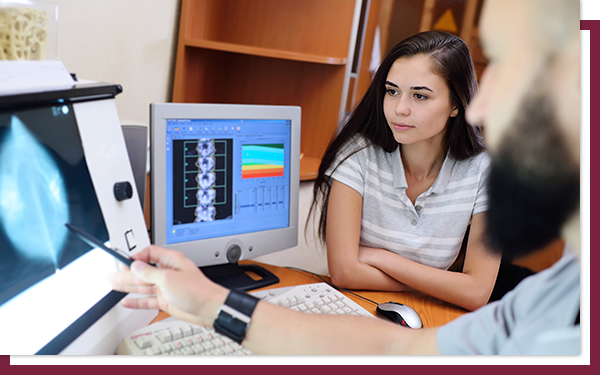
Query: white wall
129, 42
133, 43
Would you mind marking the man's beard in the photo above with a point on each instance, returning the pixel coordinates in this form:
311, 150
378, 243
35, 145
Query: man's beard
533, 183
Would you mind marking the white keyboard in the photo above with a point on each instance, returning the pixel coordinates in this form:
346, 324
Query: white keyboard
175, 337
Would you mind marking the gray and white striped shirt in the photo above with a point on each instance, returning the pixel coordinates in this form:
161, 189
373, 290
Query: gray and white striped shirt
430, 231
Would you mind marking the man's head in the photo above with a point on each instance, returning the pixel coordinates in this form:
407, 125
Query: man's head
529, 105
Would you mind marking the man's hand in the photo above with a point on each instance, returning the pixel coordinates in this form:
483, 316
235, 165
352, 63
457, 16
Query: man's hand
175, 286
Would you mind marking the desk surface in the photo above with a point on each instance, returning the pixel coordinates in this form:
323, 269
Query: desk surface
433, 312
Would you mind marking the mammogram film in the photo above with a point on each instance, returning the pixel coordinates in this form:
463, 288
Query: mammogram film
44, 183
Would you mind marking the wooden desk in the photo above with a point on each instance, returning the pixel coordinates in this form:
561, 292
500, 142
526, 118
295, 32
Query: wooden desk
433, 312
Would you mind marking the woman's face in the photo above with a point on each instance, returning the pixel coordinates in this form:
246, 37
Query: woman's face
417, 103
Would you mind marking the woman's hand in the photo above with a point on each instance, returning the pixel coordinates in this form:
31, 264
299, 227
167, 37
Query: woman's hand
375, 257
175, 286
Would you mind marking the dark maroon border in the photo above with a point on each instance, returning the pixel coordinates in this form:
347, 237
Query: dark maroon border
365, 365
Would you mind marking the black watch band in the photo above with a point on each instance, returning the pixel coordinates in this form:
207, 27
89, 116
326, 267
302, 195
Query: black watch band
233, 317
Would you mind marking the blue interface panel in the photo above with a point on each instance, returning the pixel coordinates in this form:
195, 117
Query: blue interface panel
226, 177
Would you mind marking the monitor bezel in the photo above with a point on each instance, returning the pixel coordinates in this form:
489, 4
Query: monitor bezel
214, 250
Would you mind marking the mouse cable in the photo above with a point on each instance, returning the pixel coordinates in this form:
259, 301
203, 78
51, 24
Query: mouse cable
332, 285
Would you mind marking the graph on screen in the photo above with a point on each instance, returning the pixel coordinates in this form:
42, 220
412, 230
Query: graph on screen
262, 160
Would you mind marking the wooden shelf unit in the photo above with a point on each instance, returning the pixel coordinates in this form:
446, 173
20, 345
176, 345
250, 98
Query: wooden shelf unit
265, 52
277, 52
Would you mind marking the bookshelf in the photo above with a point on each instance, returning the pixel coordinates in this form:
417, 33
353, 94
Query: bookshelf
277, 52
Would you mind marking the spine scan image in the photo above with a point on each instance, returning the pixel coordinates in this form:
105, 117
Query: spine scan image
206, 180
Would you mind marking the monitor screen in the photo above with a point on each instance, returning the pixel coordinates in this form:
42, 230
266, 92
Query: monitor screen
224, 175
52, 286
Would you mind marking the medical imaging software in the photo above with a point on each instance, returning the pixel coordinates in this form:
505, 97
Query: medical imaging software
226, 177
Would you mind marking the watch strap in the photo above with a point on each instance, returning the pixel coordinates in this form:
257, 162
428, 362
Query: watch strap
234, 316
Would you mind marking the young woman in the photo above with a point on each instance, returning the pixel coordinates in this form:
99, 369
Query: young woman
404, 180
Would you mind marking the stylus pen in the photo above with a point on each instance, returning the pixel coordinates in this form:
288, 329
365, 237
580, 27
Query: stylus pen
92, 241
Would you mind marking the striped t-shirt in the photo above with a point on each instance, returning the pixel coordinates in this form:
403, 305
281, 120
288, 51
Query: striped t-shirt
430, 231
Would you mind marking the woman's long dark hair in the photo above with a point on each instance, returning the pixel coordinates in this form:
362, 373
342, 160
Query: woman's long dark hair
451, 60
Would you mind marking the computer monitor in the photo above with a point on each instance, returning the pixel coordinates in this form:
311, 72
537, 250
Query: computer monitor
224, 184
61, 154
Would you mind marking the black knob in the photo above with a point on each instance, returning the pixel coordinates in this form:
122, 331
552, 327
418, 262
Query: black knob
123, 190
234, 253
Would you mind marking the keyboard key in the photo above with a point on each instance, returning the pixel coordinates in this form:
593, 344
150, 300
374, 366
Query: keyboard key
175, 333
186, 331
228, 341
164, 336
198, 339
155, 350
143, 342
179, 344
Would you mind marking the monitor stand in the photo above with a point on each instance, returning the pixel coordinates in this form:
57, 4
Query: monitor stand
233, 276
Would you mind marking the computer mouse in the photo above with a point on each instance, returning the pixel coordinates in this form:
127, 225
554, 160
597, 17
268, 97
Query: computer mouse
398, 313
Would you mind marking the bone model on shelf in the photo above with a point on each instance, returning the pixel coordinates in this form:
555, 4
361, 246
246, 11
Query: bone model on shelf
23, 33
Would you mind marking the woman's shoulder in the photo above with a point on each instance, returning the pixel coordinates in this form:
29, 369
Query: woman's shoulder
358, 143
476, 165
479, 162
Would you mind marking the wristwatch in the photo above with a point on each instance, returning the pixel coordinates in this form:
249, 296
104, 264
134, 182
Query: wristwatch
233, 318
